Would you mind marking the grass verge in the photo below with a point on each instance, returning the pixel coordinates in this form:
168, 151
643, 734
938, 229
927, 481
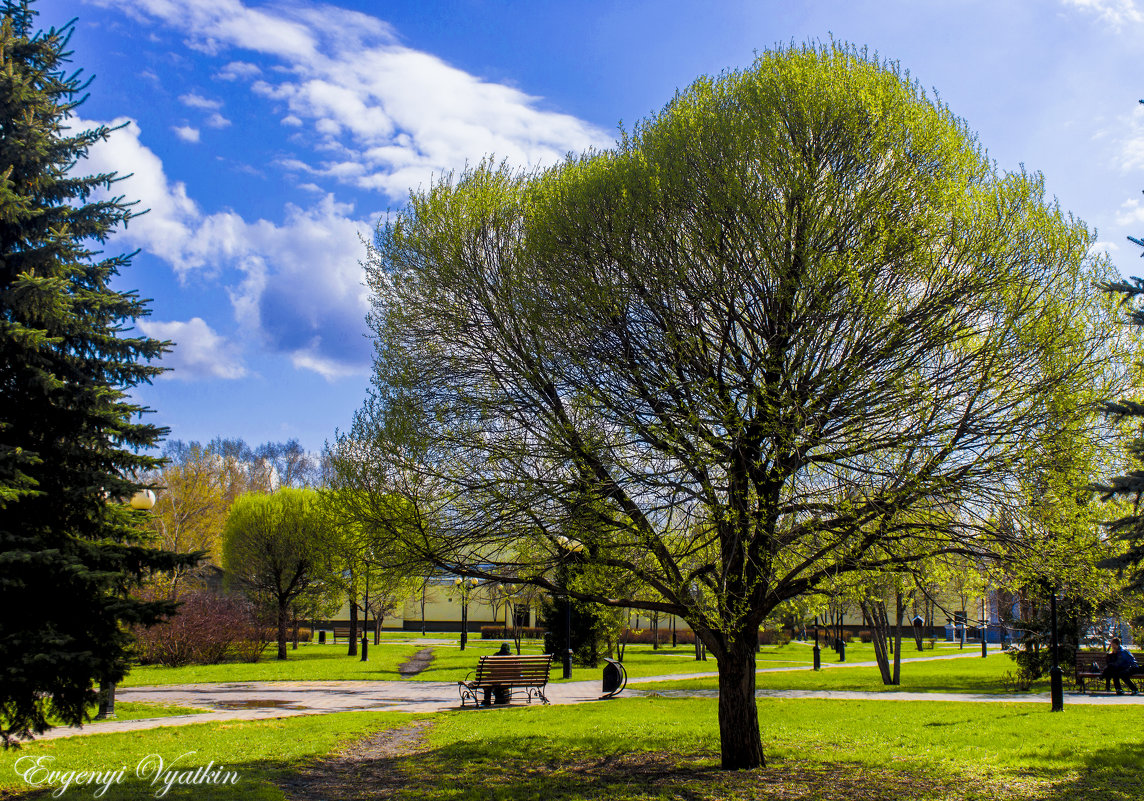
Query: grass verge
260, 753
966, 675
309, 663
641, 749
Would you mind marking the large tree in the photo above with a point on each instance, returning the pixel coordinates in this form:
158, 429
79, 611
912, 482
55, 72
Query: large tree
70, 439
796, 325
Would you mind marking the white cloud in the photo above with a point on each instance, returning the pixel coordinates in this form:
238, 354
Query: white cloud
296, 286
198, 101
400, 115
1131, 213
1104, 247
1115, 12
198, 351
1131, 144
186, 133
217, 120
238, 70
310, 359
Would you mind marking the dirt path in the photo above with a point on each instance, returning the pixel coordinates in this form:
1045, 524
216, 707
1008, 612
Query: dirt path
417, 663
365, 768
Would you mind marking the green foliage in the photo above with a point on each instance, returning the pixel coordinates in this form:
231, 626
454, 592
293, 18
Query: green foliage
793, 327
70, 439
1128, 529
278, 550
1078, 613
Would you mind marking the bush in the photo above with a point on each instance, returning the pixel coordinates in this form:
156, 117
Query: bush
201, 631
252, 641
865, 636
647, 636
501, 633
774, 636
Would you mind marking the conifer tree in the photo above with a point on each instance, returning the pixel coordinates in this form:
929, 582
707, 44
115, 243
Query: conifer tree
1130, 528
70, 439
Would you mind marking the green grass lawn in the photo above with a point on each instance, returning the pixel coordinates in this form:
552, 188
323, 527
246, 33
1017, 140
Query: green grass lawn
260, 752
654, 748
658, 748
309, 663
970, 675
312, 662
137, 710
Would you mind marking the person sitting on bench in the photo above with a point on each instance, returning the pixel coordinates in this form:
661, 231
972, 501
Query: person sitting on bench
502, 693
1121, 664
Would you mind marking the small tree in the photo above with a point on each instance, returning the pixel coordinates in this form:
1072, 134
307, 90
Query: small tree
277, 548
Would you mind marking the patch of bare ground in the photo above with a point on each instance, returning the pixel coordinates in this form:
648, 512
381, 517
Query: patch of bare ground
417, 663
366, 768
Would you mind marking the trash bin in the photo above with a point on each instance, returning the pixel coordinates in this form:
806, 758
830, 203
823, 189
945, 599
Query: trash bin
322, 637
615, 678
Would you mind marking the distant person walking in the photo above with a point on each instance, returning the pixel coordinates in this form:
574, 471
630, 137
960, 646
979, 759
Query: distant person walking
1121, 664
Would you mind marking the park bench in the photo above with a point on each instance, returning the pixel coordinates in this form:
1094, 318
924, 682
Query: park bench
504, 673
1090, 664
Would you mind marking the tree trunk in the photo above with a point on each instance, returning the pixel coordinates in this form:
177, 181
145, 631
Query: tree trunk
282, 621
353, 626
739, 738
377, 621
874, 612
898, 642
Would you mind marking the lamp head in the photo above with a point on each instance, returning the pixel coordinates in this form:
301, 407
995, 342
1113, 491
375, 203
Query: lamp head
143, 499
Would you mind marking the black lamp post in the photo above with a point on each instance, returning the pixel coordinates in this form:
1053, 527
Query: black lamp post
817, 650
464, 588
984, 629
1055, 688
143, 500
567, 635
569, 547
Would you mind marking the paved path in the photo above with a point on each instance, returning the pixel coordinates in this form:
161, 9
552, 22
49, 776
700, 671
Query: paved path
263, 700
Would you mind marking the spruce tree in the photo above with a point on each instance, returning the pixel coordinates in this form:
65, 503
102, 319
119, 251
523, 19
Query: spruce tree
1129, 529
70, 438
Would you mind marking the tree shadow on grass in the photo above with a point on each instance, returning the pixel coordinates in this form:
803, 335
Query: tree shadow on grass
515, 769
1109, 774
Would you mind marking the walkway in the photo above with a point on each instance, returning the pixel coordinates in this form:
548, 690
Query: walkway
263, 700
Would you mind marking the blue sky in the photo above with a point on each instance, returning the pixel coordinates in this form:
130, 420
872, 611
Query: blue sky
268, 138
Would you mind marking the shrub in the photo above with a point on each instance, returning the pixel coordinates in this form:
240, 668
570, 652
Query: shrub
501, 633
647, 636
865, 636
774, 636
253, 640
200, 632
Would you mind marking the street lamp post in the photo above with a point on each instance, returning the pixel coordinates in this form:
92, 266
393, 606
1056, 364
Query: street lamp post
569, 547
1055, 688
143, 500
984, 629
817, 650
465, 588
